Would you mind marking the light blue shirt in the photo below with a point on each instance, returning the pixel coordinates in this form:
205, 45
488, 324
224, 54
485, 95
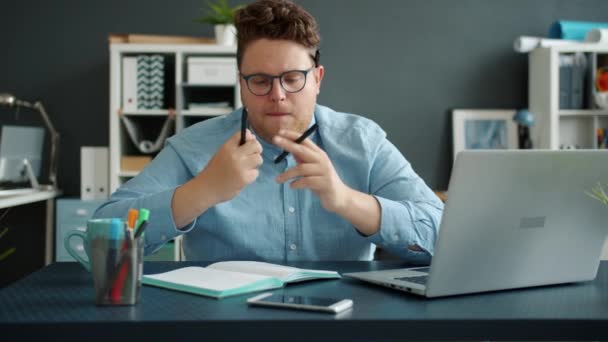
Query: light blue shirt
269, 221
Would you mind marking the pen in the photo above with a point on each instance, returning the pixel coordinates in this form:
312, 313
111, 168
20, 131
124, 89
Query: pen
113, 244
144, 215
131, 219
141, 229
243, 126
306, 134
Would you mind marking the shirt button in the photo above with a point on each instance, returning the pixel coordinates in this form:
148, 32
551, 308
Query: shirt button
395, 237
163, 237
293, 247
292, 209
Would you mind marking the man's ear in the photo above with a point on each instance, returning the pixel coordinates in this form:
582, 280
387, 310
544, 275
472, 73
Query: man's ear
319, 73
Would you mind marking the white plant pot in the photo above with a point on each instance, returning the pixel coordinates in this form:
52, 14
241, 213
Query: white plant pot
225, 34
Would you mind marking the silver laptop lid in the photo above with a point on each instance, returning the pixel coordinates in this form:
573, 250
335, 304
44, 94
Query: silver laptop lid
520, 218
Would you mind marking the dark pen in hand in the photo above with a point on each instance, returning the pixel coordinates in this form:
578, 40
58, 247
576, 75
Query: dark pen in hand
306, 134
243, 126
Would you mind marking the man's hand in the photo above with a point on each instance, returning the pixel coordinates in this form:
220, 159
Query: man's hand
314, 171
232, 167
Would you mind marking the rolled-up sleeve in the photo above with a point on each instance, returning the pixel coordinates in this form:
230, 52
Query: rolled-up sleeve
411, 212
152, 189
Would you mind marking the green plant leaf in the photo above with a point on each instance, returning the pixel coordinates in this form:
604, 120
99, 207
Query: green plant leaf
598, 193
6, 253
218, 13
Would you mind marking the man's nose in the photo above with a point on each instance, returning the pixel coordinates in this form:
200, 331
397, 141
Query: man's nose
277, 93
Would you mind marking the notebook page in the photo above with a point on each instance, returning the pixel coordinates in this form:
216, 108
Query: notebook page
263, 268
212, 279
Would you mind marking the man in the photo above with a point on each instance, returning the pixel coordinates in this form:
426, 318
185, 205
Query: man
337, 194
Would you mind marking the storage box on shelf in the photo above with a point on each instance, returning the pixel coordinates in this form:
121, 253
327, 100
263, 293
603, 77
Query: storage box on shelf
562, 96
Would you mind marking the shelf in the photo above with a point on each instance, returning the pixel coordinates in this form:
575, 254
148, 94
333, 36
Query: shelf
211, 111
205, 85
583, 112
34, 196
128, 173
147, 112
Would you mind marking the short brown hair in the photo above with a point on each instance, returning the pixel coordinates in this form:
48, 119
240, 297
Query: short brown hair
276, 19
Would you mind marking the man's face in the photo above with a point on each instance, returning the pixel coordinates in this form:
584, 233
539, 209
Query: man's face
279, 109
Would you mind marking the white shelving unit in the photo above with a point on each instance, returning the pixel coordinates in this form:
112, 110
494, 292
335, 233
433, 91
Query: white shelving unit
179, 92
182, 91
556, 127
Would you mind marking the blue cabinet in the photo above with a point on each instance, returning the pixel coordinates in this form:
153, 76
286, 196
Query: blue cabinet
73, 213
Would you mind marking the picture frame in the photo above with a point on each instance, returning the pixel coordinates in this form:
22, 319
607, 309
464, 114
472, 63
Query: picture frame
483, 129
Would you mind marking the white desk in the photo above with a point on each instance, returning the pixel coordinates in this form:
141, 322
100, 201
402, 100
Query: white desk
37, 196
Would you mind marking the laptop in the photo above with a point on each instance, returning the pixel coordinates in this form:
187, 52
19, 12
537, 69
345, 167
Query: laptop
19, 144
513, 219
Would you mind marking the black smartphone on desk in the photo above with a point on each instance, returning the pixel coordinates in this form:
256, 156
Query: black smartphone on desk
330, 305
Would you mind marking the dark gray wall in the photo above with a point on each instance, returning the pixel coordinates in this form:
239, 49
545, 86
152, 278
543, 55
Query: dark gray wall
404, 64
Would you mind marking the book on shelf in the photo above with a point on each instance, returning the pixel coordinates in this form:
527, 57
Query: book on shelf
229, 278
131, 38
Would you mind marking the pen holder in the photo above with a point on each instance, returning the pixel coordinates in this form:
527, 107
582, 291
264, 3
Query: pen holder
114, 259
117, 268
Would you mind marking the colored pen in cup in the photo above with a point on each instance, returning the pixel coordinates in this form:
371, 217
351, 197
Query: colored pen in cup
131, 220
301, 138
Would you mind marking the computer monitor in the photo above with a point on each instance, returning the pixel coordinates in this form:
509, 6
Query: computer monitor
20, 145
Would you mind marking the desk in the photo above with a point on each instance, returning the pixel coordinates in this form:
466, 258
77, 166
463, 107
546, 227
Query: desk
58, 301
33, 197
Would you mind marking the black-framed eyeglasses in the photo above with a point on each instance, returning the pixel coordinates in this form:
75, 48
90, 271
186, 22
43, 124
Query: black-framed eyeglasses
291, 81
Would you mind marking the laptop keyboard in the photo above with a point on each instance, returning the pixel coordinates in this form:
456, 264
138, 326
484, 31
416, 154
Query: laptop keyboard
418, 279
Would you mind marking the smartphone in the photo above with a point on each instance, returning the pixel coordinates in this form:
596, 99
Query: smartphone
330, 305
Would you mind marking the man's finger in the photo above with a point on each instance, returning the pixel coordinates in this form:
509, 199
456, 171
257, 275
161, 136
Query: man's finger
293, 135
251, 147
312, 183
303, 152
253, 161
302, 170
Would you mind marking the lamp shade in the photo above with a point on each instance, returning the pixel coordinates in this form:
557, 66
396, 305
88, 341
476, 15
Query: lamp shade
524, 117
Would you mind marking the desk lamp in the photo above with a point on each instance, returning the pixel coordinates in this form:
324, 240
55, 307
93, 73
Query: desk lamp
11, 101
525, 120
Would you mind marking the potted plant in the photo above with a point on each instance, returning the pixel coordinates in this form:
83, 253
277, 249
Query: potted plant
221, 15
598, 193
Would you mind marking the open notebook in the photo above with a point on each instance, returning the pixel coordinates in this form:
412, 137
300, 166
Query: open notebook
229, 278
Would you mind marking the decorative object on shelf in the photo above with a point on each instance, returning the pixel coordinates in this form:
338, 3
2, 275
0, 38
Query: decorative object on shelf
525, 44
144, 145
221, 15
150, 81
572, 70
12, 101
524, 120
601, 87
574, 30
483, 129
598, 35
